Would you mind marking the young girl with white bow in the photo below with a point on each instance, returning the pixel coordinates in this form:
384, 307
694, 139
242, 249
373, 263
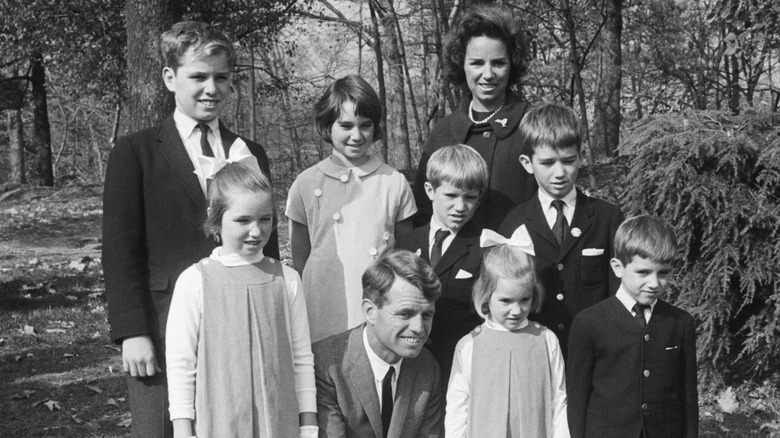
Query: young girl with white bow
239, 355
507, 374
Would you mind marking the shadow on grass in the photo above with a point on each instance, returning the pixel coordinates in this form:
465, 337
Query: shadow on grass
91, 398
44, 290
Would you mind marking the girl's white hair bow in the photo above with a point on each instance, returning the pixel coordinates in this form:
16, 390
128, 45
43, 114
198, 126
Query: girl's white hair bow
239, 153
520, 239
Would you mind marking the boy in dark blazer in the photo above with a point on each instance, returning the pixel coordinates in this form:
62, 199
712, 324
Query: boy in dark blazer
457, 177
631, 370
572, 232
154, 205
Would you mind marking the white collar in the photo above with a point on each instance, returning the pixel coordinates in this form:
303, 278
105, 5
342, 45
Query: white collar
234, 259
436, 226
378, 366
186, 124
546, 200
629, 302
489, 323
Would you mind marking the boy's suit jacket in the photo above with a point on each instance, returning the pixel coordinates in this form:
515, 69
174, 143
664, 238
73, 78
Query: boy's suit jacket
620, 380
347, 401
153, 210
576, 275
457, 269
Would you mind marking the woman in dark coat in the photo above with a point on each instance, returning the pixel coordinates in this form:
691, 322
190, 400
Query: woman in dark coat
486, 55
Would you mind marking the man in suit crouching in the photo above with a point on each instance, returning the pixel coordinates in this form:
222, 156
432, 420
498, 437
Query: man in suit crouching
376, 380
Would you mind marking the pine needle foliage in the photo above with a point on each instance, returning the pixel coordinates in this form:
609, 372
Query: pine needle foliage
716, 178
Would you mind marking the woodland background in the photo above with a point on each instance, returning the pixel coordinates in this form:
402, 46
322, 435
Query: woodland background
680, 100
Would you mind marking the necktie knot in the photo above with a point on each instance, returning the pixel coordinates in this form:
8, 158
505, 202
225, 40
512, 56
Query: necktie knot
205, 147
438, 240
561, 226
639, 313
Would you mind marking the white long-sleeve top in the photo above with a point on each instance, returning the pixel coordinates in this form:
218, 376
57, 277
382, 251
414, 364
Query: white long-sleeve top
459, 388
183, 327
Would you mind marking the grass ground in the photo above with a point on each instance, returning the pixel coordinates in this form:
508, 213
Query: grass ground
61, 377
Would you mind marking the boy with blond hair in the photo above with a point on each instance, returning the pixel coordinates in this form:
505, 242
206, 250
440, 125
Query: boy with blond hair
632, 358
154, 203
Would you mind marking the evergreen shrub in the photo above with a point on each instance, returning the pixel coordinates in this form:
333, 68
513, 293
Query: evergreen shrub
716, 178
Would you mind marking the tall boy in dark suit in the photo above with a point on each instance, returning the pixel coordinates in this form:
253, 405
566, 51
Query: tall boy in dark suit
632, 358
154, 204
457, 177
572, 232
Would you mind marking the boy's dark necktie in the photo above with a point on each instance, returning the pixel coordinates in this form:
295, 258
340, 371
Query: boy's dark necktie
438, 240
387, 400
561, 226
205, 147
639, 314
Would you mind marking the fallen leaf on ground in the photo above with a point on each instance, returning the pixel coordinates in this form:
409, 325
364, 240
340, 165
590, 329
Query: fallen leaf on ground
69, 355
95, 389
24, 395
76, 419
112, 402
126, 421
53, 405
29, 330
57, 330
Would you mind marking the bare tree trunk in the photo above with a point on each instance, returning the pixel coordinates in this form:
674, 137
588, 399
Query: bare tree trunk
41, 129
399, 155
606, 123
576, 65
16, 140
252, 96
402, 53
148, 101
380, 77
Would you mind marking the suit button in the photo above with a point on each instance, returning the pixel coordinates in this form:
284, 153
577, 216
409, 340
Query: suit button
561, 326
486, 134
646, 373
560, 266
317, 192
647, 337
644, 406
559, 297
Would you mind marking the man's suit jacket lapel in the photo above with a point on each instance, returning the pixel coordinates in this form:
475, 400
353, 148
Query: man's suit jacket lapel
537, 225
171, 147
420, 239
362, 380
459, 248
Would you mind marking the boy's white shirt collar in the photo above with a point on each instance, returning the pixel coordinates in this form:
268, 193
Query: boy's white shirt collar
186, 126
379, 367
629, 302
568, 210
434, 227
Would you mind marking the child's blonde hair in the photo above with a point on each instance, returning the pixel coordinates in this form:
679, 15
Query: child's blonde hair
234, 176
549, 124
201, 37
459, 165
649, 237
505, 261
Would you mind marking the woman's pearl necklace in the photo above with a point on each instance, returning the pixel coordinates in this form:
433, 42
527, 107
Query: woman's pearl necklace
477, 122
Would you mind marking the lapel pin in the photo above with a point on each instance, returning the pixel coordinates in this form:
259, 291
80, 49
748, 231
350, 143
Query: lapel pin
502, 122
576, 232
418, 253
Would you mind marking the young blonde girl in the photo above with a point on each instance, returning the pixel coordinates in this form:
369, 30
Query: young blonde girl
239, 357
346, 210
508, 374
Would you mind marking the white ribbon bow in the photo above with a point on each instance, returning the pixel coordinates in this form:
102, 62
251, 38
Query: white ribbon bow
520, 239
239, 153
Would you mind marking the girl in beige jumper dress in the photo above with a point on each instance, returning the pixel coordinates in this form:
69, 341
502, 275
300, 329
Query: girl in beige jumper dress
508, 374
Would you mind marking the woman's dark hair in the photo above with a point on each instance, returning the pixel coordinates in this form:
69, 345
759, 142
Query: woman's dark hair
351, 88
492, 21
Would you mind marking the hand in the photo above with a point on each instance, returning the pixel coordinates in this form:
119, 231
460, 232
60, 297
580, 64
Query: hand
138, 357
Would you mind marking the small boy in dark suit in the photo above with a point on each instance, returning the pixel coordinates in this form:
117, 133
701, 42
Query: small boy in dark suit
572, 232
154, 203
457, 177
632, 358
